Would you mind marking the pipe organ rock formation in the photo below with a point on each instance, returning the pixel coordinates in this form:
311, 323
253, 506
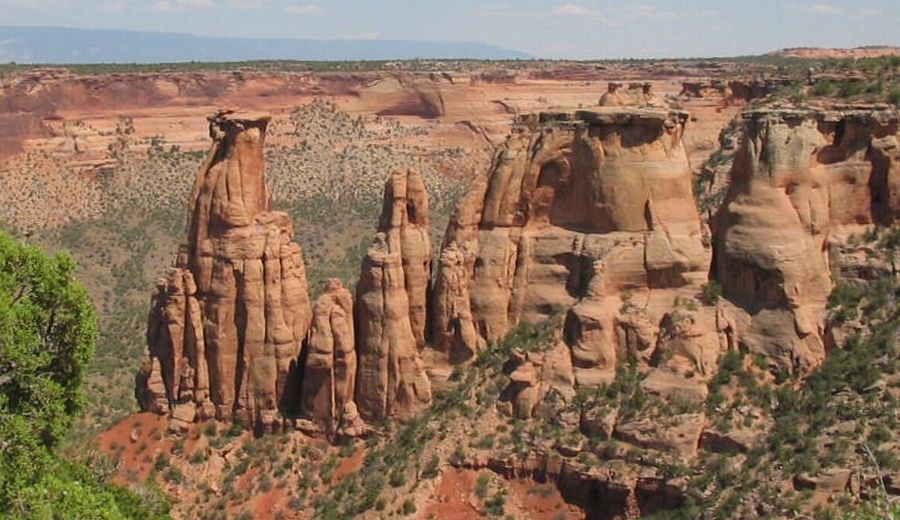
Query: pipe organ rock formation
390, 304
227, 323
576, 210
802, 184
586, 216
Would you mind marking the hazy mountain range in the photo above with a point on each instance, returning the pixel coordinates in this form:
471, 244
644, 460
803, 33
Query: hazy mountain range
64, 46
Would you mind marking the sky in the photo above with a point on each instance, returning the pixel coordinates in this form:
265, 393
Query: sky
577, 29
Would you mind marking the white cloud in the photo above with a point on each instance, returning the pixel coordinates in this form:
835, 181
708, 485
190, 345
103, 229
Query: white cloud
180, 5
825, 9
579, 11
303, 9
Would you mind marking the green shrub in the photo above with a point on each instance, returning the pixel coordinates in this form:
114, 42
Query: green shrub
712, 291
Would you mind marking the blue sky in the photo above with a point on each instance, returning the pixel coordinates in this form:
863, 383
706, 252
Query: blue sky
551, 29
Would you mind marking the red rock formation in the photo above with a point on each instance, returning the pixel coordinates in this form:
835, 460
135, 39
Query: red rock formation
226, 326
801, 184
390, 305
576, 209
329, 374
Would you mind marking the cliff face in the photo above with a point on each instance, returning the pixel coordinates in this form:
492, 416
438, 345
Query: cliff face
801, 185
227, 323
577, 210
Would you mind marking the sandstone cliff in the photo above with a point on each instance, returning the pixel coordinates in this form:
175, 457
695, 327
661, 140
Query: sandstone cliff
390, 309
582, 214
802, 183
227, 323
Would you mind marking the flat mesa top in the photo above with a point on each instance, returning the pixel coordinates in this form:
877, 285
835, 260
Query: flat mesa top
242, 117
604, 116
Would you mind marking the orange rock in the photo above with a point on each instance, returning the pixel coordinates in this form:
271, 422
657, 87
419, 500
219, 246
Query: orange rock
576, 208
227, 323
800, 181
390, 310
330, 371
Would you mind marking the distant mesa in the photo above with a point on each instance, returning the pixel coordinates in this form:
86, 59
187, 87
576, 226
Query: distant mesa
869, 51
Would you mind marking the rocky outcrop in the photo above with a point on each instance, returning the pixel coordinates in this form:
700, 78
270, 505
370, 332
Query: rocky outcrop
532, 375
802, 183
602, 492
702, 88
227, 323
329, 369
390, 308
612, 97
577, 211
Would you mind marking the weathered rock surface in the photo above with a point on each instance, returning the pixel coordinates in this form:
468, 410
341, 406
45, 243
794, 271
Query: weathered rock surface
227, 323
329, 372
390, 305
678, 434
602, 492
801, 183
576, 210
533, 375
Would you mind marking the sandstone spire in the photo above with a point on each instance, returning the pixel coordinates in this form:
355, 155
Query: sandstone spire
329, 373
226, 325
390, 305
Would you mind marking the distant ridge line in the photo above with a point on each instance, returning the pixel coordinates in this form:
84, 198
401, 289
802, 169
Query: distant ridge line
64, 46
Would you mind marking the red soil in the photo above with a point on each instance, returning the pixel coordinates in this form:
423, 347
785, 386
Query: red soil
137, 452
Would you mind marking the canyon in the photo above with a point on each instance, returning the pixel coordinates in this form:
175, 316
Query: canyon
555, 291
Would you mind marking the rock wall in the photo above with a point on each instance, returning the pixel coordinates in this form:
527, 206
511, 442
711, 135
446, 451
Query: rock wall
577, 211
802, 183
227, 323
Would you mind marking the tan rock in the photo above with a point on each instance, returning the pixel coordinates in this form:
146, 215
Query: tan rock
391, 380
679, 434
827, 481
226, 324
799, 178
535, 375
329, 375
576, 209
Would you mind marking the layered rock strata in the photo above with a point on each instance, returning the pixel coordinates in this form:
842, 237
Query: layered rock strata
803, 183
577, 212
391, 304
226, 324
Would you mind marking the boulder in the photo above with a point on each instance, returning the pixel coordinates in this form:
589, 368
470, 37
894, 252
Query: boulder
678, 434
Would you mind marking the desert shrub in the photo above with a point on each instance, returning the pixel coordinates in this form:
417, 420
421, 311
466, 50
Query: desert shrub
711, 292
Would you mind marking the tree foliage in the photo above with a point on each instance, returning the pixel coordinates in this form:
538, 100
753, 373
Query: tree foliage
47, 335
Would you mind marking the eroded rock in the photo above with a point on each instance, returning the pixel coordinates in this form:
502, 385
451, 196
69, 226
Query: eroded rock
227, 323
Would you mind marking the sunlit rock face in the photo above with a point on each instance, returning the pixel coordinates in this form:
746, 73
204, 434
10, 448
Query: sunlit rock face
577, 211
227, 323
803, 182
